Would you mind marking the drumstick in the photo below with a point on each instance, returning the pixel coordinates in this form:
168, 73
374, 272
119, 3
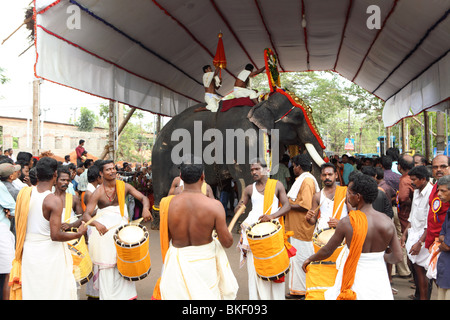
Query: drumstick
236, 216
72, 217
320, 204
241, 209
112, 227
137, 221
94, 218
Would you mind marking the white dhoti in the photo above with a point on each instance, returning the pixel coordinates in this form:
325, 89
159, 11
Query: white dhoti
103, 254
198, 273
371, 277
212, 101
297, 277
240, 92
259, 289
421, 258
7, 248
47, 269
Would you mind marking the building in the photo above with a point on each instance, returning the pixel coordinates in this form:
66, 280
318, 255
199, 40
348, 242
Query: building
59, 138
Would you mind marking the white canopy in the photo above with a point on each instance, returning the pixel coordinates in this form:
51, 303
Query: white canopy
150, 53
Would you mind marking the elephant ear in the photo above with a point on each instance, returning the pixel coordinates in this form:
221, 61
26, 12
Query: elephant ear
261, 115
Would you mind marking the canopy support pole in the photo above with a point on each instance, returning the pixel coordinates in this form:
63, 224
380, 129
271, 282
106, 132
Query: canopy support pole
426, 135
36, 117
440, 137
121, 127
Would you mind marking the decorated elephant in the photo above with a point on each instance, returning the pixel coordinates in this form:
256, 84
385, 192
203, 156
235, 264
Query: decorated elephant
281, 114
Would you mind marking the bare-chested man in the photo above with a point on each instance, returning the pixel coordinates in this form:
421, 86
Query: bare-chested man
195, 265
177, 187
242, 86
211, 82
112, 213
364, 274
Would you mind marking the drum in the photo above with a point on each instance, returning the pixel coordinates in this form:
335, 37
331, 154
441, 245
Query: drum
321, 238
133, 256
321, 275
270, 257
82, 263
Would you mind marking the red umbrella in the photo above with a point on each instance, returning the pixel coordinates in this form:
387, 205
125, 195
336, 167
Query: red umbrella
220, 61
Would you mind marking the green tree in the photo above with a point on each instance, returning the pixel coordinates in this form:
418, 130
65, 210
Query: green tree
340, 107
3, 78
87, 120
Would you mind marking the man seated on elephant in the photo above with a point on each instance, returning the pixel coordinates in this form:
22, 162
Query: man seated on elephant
211, 82
242, 84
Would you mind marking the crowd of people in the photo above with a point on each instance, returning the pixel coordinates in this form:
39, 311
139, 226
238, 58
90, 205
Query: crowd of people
388, 218
411, 194
71, 183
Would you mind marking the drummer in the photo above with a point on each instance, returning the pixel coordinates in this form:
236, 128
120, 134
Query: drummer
112, 212
264, 192
328, 207
367, 233
69, 219
195, 264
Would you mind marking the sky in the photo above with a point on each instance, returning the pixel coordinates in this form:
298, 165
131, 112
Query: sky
58, 103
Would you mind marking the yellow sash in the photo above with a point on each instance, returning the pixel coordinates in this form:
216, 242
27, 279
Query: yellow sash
68, 211
120, 189
15, 277
269, 193
358, 221
163, 237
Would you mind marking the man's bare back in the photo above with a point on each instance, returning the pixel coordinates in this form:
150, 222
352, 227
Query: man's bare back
380, 231
192, 217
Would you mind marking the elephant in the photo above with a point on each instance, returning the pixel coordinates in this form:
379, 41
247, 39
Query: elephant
275, 113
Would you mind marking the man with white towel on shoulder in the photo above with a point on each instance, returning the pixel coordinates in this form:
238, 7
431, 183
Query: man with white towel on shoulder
242, 84
300, 198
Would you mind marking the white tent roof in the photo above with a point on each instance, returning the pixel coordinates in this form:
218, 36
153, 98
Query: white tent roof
150, 53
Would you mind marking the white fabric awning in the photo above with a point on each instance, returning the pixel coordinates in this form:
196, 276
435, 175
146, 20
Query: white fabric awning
149, 53
430, 91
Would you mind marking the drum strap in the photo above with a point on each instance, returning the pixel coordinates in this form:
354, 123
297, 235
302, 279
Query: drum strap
15, 276
269, 193
120, 189
68, 207
163, 237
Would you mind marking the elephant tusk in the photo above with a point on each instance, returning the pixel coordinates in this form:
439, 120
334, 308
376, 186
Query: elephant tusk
314, 154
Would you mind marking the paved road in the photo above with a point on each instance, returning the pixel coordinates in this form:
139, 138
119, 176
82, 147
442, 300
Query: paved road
145, 286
